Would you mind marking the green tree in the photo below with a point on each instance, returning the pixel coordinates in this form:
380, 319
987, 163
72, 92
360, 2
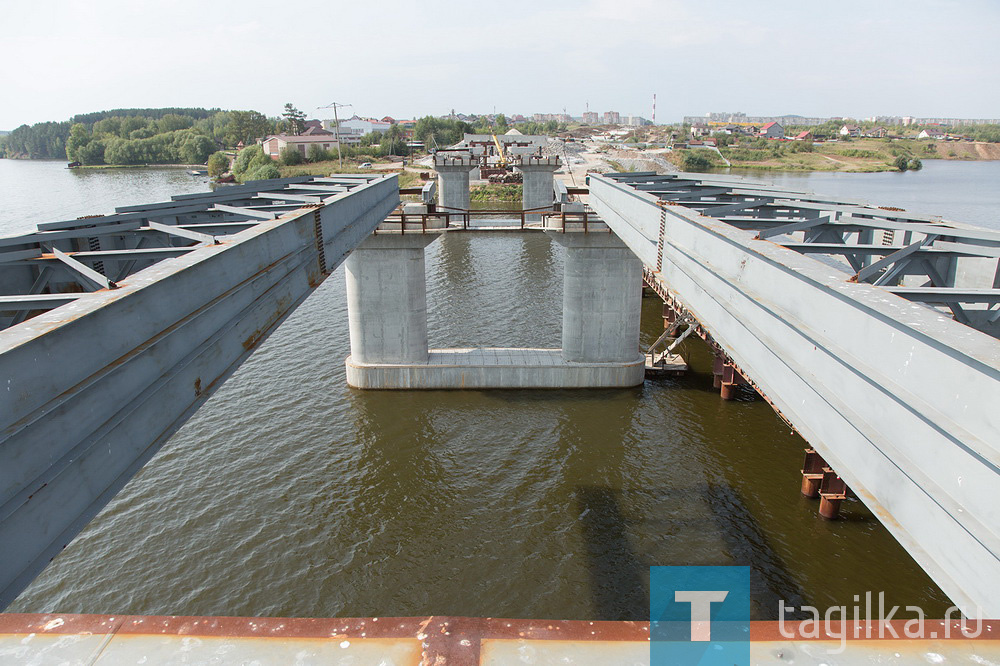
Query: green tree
111, 126
246, 126
251, 162
695, 162
261, 172
131, 124
318, 154
173, 122
195, 149
79, 136
123, 151
901, 162
91, 153
296, 119
218, 164
291, 156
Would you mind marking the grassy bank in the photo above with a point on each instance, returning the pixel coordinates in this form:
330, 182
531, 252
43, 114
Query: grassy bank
406, 178
495, 193
97, 167
856, 155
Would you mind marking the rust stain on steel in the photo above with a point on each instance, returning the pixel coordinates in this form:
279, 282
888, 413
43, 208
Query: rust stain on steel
263, 331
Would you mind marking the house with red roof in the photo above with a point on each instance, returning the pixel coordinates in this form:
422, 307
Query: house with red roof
772, 130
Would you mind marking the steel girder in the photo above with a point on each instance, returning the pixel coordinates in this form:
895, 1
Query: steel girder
99, 379
898, 398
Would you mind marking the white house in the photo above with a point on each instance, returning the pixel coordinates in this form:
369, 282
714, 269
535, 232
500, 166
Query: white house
931, 134
275, 143
359, 126
850, 130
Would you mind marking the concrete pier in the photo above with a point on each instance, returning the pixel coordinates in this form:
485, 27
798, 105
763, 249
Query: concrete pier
387, 310
602, 298
387, 299
537, 188
453, 180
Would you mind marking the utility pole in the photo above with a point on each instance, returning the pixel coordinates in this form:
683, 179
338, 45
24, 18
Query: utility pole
336, 127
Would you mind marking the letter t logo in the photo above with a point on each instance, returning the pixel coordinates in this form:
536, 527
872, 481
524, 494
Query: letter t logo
701, 607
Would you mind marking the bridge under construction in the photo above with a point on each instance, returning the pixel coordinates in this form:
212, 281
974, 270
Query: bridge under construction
871, 331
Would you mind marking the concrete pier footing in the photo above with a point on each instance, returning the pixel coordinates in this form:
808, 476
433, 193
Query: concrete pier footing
453, 180
493, 368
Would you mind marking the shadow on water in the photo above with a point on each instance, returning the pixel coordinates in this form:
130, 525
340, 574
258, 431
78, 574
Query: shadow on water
619, 561
619, 579
747, 544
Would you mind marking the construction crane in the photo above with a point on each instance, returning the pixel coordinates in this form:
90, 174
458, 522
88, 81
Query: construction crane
503, 158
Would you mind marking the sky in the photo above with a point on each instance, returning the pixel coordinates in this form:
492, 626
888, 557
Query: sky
924, 58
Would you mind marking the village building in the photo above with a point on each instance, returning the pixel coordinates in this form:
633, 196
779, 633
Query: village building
850, 130
805, 135
275, 143
931, 133
772, 130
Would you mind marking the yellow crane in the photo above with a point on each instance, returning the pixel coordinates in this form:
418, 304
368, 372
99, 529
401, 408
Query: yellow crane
503, 158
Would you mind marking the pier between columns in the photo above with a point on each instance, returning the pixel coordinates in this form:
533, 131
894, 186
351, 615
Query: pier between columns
387, 310
453, 180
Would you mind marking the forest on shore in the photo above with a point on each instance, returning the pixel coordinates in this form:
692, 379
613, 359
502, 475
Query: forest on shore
138, 136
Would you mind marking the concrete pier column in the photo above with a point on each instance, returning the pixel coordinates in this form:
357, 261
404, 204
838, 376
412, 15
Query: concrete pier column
387, 299
602, 299
538, 179
453, 180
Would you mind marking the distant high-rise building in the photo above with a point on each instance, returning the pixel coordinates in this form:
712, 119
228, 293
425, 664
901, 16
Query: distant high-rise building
591, 118
612, 118
636, 121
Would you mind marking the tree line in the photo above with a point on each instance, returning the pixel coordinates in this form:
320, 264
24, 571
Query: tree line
139, 136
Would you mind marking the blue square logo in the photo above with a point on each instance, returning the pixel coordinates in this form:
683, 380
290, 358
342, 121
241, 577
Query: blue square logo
699, 615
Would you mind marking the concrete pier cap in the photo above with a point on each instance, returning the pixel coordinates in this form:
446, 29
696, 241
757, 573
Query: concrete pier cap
453, 179
537, 175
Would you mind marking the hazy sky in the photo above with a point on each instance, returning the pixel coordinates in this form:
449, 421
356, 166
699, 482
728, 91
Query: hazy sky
412, 58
